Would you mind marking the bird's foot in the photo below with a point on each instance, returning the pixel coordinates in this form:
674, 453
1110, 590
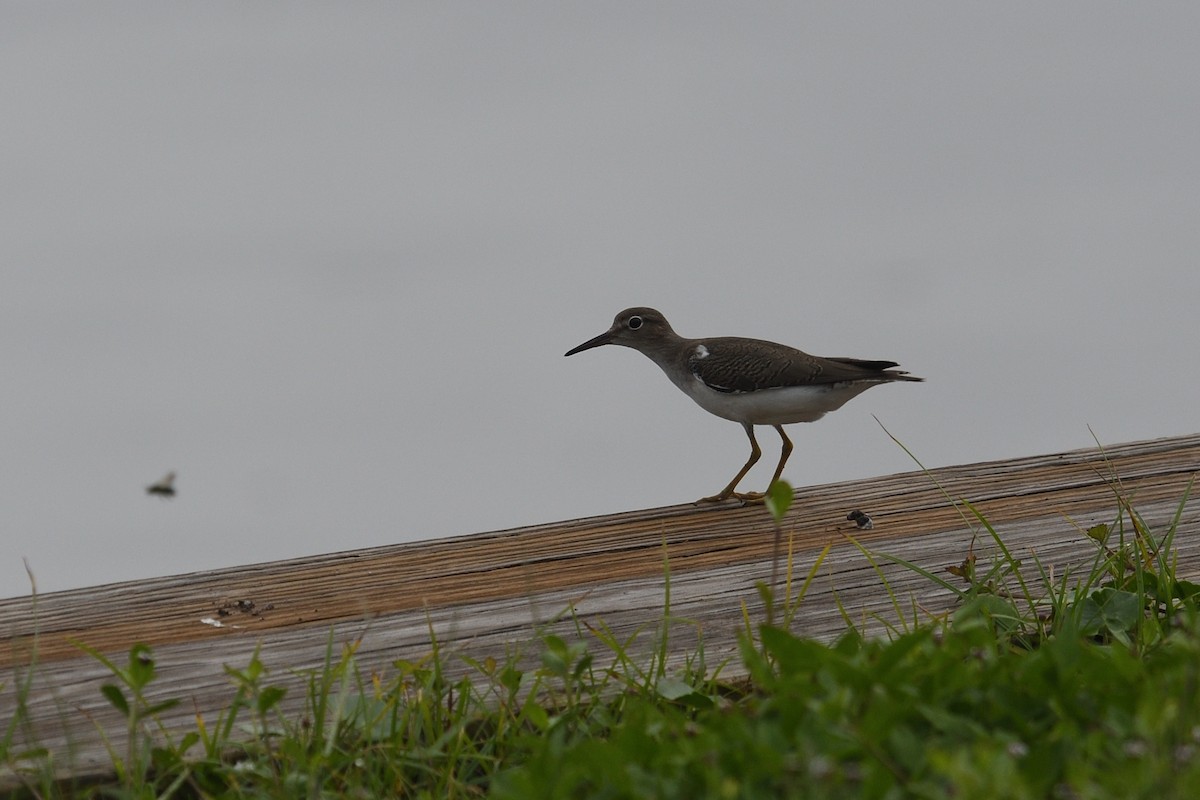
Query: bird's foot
742, 497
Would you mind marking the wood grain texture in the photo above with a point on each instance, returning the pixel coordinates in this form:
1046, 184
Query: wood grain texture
492, 593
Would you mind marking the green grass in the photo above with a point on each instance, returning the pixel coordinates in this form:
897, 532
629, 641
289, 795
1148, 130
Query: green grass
1079, 685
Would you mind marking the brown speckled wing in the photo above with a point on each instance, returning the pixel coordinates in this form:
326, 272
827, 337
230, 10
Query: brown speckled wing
745, 365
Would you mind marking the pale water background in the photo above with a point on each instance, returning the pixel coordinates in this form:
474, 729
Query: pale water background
324, 259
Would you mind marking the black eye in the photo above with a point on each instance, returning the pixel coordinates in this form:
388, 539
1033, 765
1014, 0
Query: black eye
634, 323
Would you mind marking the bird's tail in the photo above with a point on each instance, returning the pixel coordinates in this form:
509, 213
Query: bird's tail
882, 368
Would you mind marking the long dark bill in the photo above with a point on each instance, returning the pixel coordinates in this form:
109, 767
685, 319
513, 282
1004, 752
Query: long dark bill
603, 338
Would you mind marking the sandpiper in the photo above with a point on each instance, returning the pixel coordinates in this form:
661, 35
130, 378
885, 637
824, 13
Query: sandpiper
750, 381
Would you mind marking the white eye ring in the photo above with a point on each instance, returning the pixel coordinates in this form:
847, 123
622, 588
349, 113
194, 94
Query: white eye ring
634, 323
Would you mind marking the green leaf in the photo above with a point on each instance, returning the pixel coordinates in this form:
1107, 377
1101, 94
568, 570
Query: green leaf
536, 715
141, 666
554, 663
1098, 532
1113, 610
158, 708
679, 691
1186, 590
582, 665
269, 698
989, 608
1091, 620
510, 678
779, 499
793, 655
1120, 610
114, 696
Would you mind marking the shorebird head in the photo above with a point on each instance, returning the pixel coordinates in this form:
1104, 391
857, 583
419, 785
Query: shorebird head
639, 328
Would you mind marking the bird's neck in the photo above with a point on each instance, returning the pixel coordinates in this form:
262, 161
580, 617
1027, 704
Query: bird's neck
670, 352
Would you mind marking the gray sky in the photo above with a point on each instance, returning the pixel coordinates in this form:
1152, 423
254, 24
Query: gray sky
324, 259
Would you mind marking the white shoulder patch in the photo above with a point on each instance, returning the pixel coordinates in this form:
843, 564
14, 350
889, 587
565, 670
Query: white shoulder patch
701, 351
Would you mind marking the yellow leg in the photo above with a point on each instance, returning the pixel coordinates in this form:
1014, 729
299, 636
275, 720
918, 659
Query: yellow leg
783, 456
755, 454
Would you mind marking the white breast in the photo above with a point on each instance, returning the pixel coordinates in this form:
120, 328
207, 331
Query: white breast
780, 406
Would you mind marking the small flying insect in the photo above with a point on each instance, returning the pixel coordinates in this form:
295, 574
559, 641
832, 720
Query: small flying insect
165, 487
